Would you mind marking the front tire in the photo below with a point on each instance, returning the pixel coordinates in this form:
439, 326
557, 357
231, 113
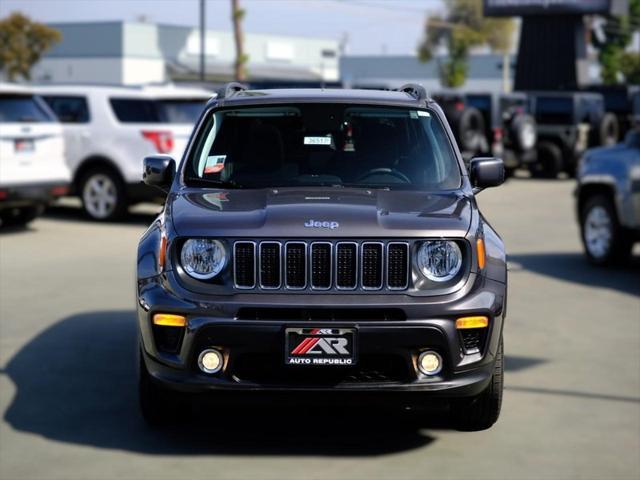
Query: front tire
482, 411
103, 195
549, 163
603, 237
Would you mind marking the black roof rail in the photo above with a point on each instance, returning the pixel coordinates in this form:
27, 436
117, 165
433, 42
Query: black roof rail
230, 89
416, 91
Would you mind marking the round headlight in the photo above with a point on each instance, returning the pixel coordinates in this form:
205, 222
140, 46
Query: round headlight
439, 260
203, 258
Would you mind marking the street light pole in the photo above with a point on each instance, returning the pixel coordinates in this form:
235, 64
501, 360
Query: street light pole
202, 52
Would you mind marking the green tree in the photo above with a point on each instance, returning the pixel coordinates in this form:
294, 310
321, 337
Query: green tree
23, 43
463, 27
630, 67
611, 52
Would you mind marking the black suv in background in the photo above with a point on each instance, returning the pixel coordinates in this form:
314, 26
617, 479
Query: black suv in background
567, 124
510, 129
485, 123
323, 243
467, 123
619, 101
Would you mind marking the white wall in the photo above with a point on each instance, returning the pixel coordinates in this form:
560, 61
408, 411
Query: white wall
127, 71
142, 70
78, 70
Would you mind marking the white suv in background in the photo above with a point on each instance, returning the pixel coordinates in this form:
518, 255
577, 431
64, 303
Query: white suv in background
33, 170
109, 130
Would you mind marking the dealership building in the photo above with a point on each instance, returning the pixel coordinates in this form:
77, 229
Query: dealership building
132, 53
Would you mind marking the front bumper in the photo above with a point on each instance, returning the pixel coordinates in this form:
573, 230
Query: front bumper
387, 349
27, 195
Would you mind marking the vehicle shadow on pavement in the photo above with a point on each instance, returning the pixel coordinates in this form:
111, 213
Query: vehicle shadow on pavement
573, 267
16, 229
76, 382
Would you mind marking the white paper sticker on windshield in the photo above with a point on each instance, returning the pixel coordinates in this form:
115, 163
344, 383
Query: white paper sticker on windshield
318, 140
422, 113
215, 163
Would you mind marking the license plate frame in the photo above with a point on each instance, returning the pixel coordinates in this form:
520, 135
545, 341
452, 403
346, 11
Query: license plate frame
321, 346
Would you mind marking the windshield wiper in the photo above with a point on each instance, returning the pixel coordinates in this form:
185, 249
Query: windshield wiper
213, 182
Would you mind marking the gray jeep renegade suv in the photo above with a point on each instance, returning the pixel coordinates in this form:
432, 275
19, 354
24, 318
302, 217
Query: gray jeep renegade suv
318, 243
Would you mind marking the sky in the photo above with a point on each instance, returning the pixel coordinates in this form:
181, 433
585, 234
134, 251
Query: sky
393, 27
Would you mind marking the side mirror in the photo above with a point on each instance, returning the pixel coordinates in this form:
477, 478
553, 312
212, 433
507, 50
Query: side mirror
158, 171
486, 172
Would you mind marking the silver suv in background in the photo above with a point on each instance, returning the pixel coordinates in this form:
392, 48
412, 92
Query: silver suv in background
110, 129
33, 170
608, 200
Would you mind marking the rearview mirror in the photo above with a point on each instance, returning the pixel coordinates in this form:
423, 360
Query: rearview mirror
486, 172
158, 171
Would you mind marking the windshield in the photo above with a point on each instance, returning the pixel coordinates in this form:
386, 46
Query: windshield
186, 111
23, 108
324, 144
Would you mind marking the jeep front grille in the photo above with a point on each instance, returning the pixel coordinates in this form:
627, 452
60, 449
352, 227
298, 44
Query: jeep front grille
270, 269
372, 266
347, 265
321, 265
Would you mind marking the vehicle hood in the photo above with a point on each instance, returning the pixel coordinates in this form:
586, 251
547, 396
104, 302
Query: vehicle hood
327, 213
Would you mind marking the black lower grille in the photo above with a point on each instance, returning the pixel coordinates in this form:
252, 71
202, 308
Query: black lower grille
269, 369
397, 265
296, 265
347, 265
270, 265
473, 339
372, 265
321, 314
321, 265
244, 264
168, 339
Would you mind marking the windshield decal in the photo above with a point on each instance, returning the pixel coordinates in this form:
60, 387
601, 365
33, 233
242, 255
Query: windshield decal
215, 163
328, 141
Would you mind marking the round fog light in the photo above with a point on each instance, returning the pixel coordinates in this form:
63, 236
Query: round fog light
430, 363
210, 361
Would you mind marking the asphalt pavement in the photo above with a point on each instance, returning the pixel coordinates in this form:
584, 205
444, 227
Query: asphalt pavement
67, 370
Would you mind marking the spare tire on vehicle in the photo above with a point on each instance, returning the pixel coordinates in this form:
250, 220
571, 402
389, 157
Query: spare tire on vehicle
609, 130
469, 129
549, 163
522, 132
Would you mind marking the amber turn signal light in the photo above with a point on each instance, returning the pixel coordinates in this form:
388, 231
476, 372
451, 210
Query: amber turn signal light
169, 320
162, 252
482, 256
472, 322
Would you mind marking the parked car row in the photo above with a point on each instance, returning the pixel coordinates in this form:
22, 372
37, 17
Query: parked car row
33, 170
97, 135
546, 132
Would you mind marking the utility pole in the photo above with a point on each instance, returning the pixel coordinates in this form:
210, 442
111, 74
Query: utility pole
237, 14
202, 33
